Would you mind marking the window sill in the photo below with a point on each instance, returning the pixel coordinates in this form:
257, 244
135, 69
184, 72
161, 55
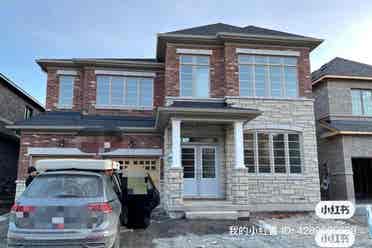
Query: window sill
65, 106
276, 175
123, 107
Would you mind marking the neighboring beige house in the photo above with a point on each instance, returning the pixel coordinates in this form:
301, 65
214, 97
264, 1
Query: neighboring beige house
223, 118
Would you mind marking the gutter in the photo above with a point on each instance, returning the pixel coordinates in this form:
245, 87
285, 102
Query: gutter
340, 77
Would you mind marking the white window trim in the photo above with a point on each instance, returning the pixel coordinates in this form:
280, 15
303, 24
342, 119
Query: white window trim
125, 87
59, 104
272, 165
194, 51
193, 65
268, 81
125, 73
267, 52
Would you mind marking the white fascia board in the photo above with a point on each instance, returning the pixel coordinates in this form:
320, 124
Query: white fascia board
133, 152
67, 72
125, 73
194, 51
56, 151
267, 52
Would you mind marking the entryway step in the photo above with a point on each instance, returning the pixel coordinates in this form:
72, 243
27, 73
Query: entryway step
212, 215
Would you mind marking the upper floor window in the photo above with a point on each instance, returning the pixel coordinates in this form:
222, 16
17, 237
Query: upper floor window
124, 91
268, 76
267, 152
361, 102
194, 76
28, 112
66, 91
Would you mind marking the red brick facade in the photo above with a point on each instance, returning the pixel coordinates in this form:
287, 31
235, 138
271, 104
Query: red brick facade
89, 144
85, 82
224, 69
224, 82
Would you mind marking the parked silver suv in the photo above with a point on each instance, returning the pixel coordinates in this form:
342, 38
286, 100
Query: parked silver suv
67, 208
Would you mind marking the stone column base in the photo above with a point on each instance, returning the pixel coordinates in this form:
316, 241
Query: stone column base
173, 188
239, 187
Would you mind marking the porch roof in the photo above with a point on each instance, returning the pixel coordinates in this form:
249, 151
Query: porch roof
86, 123
204, 111
346, 127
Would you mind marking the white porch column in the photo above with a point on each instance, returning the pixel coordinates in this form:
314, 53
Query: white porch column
176, 143
239, 144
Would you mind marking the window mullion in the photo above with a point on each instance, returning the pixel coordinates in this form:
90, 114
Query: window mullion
286, 152
271, 152
124, 91
255, 151
268, 79
282, 81
362, 101
110, 91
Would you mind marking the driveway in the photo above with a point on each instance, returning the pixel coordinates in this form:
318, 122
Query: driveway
167, 233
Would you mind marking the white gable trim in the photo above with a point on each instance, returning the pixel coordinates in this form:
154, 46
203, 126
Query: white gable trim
134, 152
125, 73
56, 151
194, 51
267, 52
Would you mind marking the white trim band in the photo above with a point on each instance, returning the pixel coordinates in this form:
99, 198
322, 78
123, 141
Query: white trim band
67, 72
56, 151
194, 51
267, 52
125, 73
133, 152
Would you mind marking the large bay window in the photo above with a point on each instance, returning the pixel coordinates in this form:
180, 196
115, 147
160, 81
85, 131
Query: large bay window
273, 152
268, 76
117, 91
194, 76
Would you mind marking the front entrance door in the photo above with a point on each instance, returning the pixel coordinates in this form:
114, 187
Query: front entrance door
200, 171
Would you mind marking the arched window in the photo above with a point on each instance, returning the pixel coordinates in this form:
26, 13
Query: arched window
273, 151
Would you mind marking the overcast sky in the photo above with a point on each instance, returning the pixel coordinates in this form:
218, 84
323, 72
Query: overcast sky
32, 29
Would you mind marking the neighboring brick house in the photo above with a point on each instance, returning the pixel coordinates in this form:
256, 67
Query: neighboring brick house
222, 113
15, 104
343, 107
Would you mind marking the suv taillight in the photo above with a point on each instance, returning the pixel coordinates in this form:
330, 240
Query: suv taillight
24, 209
100, 207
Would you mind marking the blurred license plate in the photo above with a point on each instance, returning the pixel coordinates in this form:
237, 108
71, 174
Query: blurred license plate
58, 222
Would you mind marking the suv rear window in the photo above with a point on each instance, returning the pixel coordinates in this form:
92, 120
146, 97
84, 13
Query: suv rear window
58, 186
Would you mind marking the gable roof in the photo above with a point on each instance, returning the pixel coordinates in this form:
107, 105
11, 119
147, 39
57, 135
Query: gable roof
20, 92
341, 68
218, 33
214, 29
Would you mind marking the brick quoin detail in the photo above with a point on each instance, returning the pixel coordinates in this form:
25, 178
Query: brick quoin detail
89, 144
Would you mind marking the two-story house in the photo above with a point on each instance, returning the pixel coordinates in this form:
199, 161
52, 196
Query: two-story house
15, 104
222, 117
343, 107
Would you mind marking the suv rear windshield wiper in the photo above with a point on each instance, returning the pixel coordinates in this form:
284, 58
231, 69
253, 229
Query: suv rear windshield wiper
66, 195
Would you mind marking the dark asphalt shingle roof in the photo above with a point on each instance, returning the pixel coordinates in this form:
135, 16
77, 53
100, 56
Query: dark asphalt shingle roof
351, 125
89, 121
342, 67
213, 29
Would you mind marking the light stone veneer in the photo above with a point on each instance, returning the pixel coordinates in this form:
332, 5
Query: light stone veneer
276, 192
258, 192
